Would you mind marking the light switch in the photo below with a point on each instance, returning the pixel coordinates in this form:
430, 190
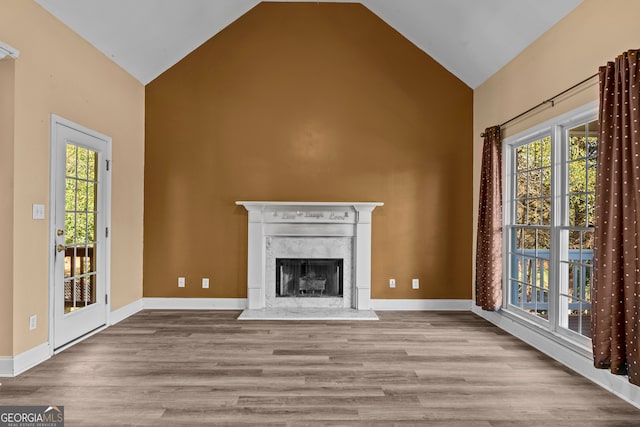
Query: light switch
33, 322
37, 211
205, 283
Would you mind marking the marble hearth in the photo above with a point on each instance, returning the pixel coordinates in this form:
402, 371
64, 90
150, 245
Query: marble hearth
309, 230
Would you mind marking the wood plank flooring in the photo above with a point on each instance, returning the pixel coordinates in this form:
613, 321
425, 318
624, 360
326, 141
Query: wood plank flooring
190, 368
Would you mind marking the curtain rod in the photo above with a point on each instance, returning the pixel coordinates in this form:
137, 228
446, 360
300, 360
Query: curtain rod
551, 100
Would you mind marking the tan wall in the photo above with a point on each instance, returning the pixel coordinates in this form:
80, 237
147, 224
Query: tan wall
305, 101
595, 32
60, 73
6, 205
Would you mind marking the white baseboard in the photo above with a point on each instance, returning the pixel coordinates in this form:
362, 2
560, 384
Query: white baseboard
241, 304
421, 304
123, 312
573, 359
194, 303
26, 360
6, 366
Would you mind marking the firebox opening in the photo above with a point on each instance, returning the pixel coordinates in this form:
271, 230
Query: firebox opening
309, 277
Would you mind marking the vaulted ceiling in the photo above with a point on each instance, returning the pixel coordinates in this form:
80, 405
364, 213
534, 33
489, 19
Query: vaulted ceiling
471, 38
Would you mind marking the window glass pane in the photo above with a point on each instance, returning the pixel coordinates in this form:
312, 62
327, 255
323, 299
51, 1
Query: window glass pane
544, 242
545, 205
535, 154
515, 292
516, 267
521, 158
543, 304
587, 240
574, 242
546, 182
533, 214
577, 210
577, 176
546, 151
529, 297
591, 210
591, 175
578, 142
542, 278
517, 239
588, 274
521, 212
529, 239
534, 184
544, 274
521, 185
592, 138
578, 315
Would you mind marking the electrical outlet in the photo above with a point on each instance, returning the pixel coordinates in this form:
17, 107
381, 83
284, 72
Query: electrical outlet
33, 322
181, 282
415, 283
205, 283
392, 283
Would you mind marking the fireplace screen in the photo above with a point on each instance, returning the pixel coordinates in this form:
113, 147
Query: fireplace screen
308, 277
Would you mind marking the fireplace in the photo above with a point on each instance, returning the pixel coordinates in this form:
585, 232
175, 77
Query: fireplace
312, 249
309, 277
331, 242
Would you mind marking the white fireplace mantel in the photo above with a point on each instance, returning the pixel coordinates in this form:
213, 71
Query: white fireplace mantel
309, 219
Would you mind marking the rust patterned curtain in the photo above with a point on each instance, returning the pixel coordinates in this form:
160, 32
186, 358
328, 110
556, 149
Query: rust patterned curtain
489, 245
616, 288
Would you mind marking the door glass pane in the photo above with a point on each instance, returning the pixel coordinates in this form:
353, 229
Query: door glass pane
82, 155
80, 227
71, 160
92, 160
70, 201
91, 197
81, 195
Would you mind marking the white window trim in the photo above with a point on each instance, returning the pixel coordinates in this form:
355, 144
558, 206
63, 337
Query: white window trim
555, 128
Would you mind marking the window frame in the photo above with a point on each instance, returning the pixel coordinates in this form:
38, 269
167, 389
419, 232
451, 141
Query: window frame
557, 129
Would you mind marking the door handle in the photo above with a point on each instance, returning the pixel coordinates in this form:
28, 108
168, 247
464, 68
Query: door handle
61, 248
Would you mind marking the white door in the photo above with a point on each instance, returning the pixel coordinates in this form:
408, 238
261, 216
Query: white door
80, 206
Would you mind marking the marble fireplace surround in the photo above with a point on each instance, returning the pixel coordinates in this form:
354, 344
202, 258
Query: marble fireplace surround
316, 229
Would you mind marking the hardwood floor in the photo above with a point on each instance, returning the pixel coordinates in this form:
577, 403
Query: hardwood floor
409, 368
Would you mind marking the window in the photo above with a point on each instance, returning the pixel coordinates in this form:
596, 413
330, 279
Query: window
549, 209
531, 230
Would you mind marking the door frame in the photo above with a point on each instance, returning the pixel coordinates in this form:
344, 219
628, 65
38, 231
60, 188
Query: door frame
55, 121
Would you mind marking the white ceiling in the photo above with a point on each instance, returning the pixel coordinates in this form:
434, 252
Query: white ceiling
471, 38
